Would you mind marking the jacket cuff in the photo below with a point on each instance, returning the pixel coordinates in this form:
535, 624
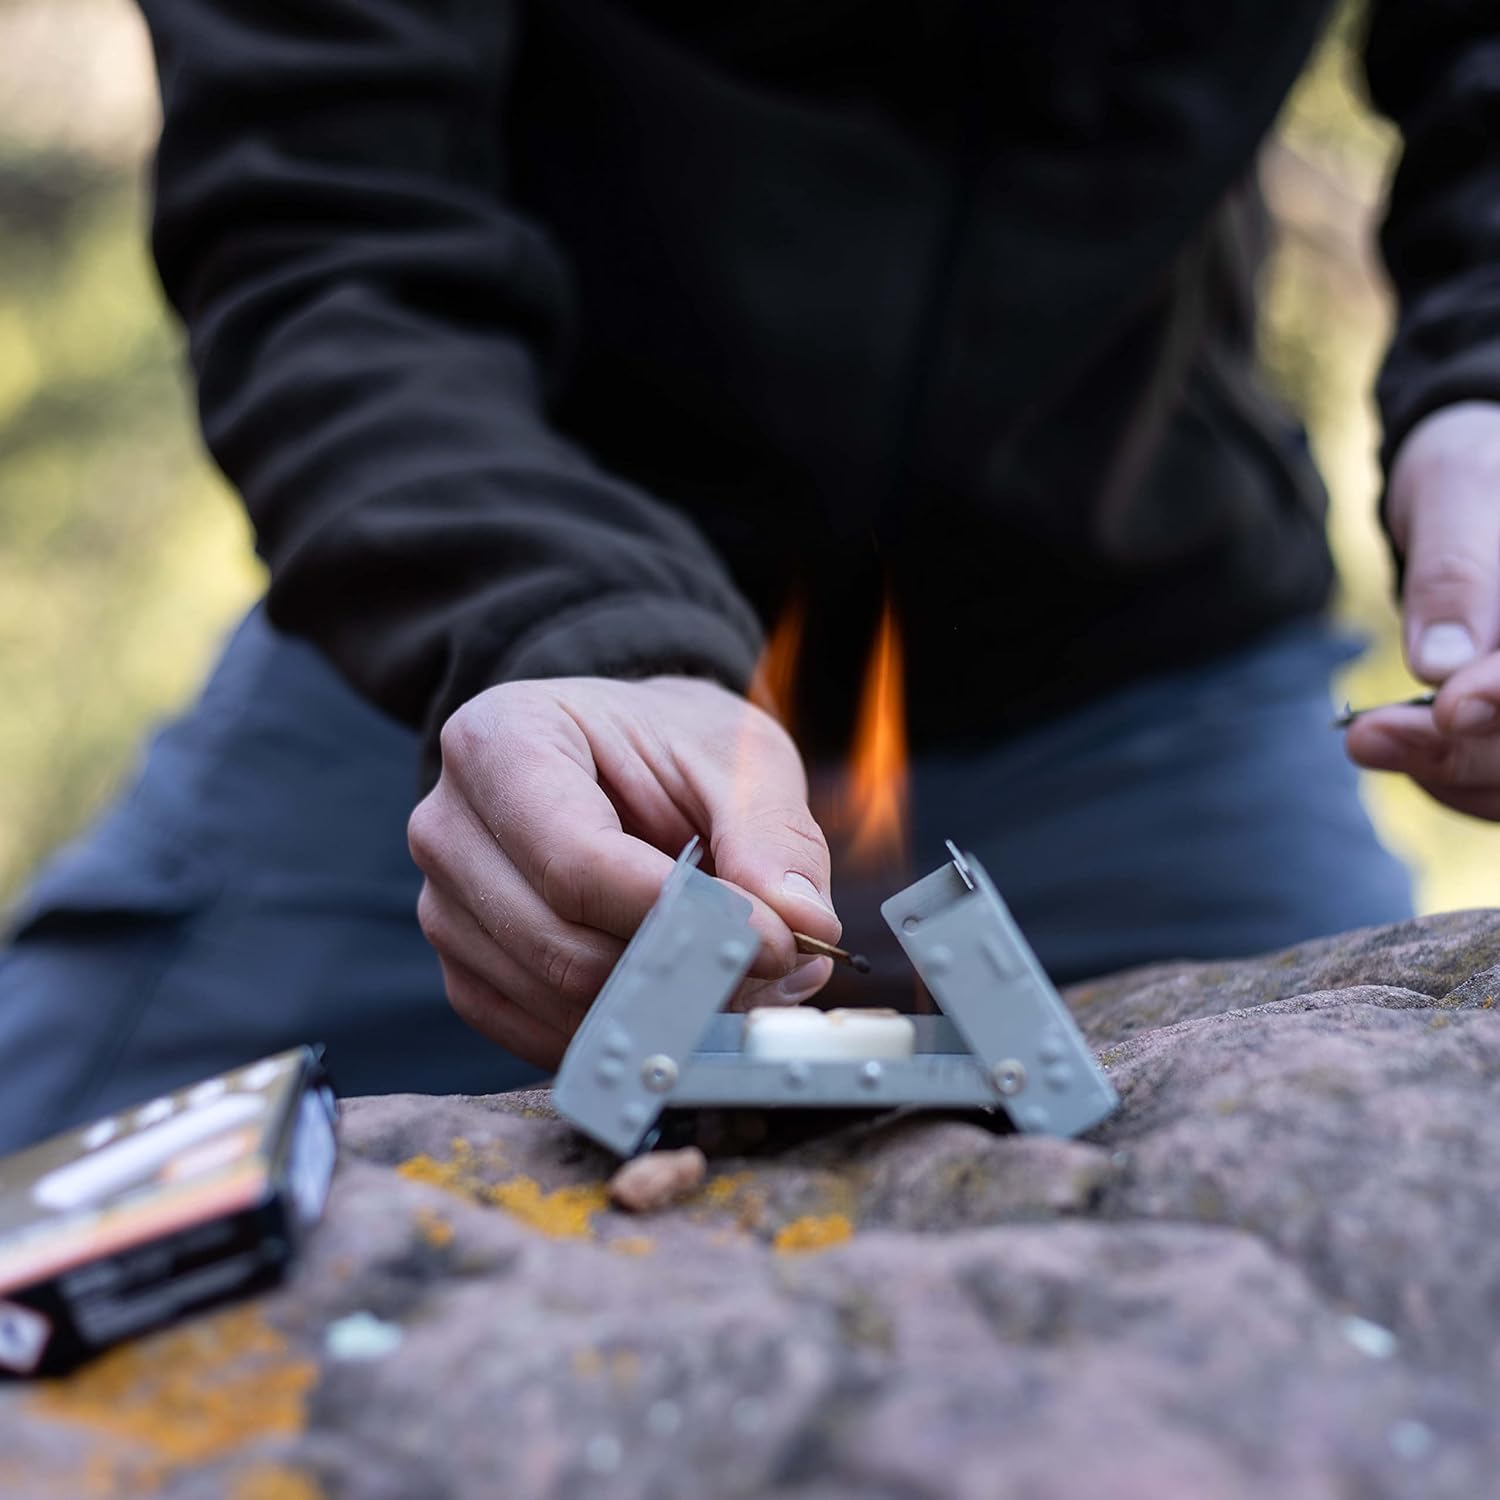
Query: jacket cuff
1473, 375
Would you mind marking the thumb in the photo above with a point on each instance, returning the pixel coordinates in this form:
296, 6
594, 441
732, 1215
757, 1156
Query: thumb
1445, 513
763, 838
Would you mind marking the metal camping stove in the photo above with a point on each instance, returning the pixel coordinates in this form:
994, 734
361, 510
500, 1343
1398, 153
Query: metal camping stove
657, 1036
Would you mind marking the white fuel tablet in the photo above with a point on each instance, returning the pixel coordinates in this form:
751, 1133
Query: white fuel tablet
804, 1033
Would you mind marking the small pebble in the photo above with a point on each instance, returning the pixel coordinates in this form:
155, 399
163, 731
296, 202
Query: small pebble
657, 1180
1369, 1338
361, 1336
1410, 1439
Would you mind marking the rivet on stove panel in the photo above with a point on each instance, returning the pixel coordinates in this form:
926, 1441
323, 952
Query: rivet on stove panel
939, 958
1002, 956
1053, 1049
1009, 1076
733, 954
670, 953
659, 1072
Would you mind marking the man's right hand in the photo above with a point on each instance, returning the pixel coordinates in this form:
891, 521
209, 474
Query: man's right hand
560, 808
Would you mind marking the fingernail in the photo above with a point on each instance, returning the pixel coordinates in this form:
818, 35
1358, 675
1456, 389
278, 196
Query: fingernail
806, 979
799, 885
1444, 649
1472, 715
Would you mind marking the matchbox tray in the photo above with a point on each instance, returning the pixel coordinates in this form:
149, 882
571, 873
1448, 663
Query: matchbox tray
120, 1226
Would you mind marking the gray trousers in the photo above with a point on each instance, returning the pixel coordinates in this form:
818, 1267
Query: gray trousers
253, 889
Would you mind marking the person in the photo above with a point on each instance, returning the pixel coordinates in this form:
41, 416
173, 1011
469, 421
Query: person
558, 349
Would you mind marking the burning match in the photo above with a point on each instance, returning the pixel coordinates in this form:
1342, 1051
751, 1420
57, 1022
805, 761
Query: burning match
856, 961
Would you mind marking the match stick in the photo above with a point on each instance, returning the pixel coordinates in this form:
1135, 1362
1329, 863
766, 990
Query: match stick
856, 961
1349, 715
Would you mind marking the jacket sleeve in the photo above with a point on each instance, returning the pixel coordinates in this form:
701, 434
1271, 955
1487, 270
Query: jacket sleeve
373, 330
1434, 68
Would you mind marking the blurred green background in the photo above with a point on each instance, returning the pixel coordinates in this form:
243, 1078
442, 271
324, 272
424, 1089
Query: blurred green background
123, 556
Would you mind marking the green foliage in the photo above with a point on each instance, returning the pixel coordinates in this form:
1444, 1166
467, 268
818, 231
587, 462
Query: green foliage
121, 554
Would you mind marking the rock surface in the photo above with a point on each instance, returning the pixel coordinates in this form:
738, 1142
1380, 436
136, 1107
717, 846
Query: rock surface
1275, 1271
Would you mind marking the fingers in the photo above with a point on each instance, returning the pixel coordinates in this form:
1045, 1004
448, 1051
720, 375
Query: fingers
1461, 772
795, 988
480, 1005
535, 792
1445, 515
1469, 701
477, 907
533, 878
750, 792
559, 977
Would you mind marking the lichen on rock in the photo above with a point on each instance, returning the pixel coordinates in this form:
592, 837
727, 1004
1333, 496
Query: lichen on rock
1271, 1273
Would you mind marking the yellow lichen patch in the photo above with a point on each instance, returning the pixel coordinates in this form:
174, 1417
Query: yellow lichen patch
588, 1364
190, 1396
633, 1244
564, 1213
812, 1232
275, 1482
449, 1175
738, 1192
434, 1228
462, 1174
721, 1191
1437, 1023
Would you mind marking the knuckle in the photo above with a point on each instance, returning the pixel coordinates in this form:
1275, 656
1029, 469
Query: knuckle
472, 1007
1468, 764
566, 971
774, 735
461, 739
1448, 573
562, 882
792, 835
424, 834
804, 835
430, 916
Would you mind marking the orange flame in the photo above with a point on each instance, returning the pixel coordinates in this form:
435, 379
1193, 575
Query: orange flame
774, 684
877, 792
866, 808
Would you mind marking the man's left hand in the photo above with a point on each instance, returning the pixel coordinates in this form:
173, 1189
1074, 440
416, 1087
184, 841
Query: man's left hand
1444, 512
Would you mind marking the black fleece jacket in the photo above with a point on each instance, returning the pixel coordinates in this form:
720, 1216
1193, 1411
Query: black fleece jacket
578, 336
